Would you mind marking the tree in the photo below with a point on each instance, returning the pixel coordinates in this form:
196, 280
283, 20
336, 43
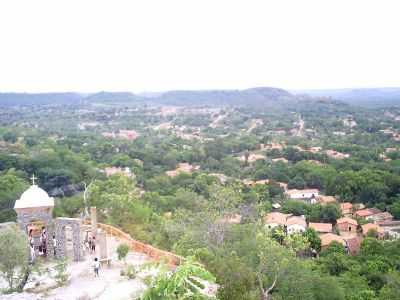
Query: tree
371, 247
395, 209
183, 284
14, 260
274, 264
392, 287
11, 187
322, 284
278, 233
297, 242
10, 137
297, 183
330, 213
313, 238
122, 251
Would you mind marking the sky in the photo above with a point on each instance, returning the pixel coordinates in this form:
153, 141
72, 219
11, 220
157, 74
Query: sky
149, 45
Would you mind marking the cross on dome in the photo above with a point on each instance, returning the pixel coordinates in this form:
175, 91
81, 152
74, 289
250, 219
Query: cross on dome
33, 179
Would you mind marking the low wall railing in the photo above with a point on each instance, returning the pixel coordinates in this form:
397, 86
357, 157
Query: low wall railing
154, 253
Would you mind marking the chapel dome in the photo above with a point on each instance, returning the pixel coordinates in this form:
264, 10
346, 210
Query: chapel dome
34, 197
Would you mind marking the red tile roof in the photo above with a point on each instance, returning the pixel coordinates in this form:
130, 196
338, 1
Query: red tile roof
346, 220
367, 212
321, 227
346, 206
369, 226
328, 238
276, 217
295, 220
326, 199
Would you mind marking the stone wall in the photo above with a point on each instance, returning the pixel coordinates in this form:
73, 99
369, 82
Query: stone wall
26, 216
75, 224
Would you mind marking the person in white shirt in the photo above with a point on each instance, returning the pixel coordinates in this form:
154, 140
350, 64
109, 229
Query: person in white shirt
96, 267
33, 255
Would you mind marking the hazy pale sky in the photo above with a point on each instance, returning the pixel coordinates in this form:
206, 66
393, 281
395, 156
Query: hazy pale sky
147, 45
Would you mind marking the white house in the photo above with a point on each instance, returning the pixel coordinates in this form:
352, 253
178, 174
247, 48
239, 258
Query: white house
296, 224
293, 224
308, 194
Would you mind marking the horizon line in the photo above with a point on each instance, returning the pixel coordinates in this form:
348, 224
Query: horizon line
190, 90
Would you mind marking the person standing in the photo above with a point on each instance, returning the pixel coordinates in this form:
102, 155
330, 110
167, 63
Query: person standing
33, 255
94, 245
90, 244
31, 245
96, 266
54, 245
43, 238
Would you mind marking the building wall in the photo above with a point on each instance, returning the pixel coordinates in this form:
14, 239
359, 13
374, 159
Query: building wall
75, 224
25, 216
347, 227
295, 228
303, 195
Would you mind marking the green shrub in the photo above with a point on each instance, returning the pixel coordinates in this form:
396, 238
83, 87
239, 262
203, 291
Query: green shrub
122, 251
61, 275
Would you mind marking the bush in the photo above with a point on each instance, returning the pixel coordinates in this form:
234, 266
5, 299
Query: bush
61, 275
122, 251
129, 272
14, 260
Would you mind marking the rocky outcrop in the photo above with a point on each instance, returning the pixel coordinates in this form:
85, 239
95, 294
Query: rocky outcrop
66, 190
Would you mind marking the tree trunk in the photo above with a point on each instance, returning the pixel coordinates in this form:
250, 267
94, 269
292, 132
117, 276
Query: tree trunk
265, 294
85, 195
24, 279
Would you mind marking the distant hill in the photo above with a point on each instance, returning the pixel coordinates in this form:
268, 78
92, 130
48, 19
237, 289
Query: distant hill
253, 96
11, 99
261, 96
365, 96
113, 97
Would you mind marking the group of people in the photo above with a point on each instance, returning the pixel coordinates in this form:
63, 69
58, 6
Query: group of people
42, 243
90, 244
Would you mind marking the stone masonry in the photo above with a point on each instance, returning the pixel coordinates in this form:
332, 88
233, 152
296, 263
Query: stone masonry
75, 224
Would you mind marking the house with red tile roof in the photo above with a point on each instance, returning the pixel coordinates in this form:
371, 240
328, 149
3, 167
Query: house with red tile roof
296, 224
324, 200
366, 212
275, 219
373, 227
329, 238
381, 217
346, 208
182, 168
293, 224
321, 227
347, 225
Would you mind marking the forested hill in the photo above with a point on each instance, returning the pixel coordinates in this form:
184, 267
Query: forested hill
364, 96
261, 96
11, 99
253, 96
